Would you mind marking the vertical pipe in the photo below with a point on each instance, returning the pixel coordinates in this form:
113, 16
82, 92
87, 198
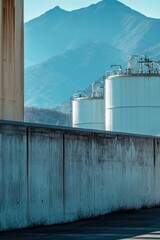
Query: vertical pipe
11, 60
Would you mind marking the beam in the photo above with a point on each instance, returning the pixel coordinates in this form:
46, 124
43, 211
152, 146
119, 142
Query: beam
11, 60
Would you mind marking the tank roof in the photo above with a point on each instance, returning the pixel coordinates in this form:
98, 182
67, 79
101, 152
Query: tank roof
137, 66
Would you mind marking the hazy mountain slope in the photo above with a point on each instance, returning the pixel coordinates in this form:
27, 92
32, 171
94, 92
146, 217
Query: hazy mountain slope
46, 116
108, 20
44, 36
54, 81
140, 38
75, 48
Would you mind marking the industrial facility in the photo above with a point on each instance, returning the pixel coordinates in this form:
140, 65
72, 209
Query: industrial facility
88, 108
52, 175
125, 101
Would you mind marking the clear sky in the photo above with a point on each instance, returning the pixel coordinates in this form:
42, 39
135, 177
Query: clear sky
34, 8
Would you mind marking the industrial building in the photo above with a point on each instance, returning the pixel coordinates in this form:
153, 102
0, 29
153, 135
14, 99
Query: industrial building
51, 175
88, 108
126, 101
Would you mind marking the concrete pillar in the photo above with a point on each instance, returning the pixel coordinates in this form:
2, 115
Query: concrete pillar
11, 60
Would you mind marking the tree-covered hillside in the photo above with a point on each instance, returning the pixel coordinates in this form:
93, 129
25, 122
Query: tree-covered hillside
46, 116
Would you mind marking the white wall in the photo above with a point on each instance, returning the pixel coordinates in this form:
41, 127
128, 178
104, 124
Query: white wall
54, 175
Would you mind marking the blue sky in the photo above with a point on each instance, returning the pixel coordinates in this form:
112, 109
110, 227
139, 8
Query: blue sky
34, 8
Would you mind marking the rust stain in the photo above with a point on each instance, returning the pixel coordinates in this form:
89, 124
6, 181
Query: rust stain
11, 67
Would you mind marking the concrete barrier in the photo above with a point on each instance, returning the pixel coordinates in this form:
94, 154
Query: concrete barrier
13, 177
52, 175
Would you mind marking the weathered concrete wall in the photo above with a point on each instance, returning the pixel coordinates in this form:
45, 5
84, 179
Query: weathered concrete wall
13, 177
45, 176
53, 175
11, 60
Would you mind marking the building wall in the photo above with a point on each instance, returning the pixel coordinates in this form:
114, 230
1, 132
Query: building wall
54, 175
11, 60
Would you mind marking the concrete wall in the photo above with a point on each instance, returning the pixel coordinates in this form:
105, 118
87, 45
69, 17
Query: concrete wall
53, 175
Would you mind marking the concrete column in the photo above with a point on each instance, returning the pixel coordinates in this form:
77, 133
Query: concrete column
11, 60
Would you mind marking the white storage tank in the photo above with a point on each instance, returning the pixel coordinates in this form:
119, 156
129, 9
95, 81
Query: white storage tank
88, 109
132, 100
88, 113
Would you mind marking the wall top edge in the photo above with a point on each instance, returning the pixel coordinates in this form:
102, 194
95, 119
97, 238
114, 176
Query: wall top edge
70, 130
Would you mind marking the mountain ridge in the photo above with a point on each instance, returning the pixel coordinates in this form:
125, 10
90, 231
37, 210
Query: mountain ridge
74, 26
69, 50
73, 71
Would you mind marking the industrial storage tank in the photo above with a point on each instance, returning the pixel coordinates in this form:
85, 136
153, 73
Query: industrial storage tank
88, 108
132, 98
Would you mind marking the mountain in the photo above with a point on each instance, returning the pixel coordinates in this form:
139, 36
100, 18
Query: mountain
46, 116
66, 51
50, 83
109, 20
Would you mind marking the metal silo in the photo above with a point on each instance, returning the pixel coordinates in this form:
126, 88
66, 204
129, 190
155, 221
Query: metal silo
88, 108
132, 98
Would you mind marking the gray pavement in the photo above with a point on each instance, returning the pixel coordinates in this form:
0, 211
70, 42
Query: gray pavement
143, 224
